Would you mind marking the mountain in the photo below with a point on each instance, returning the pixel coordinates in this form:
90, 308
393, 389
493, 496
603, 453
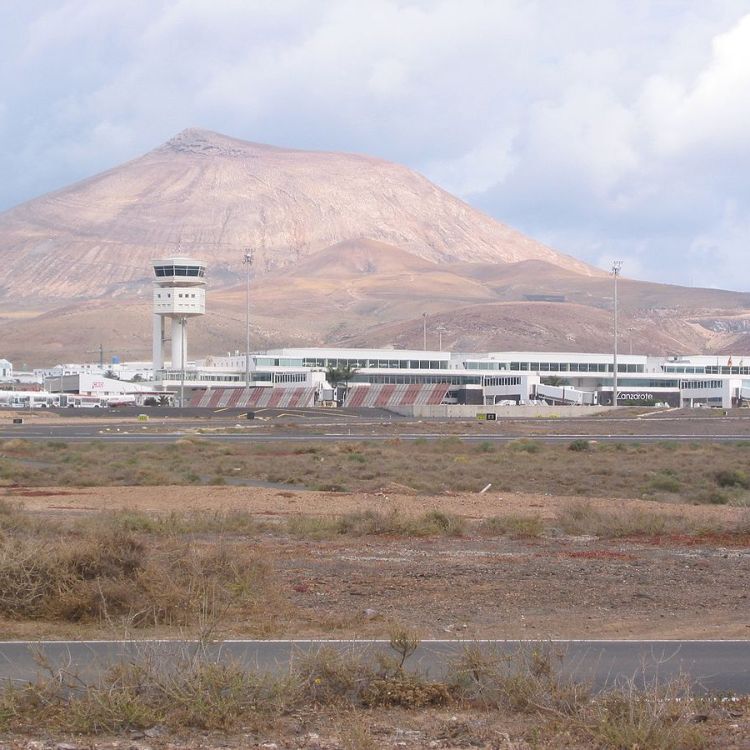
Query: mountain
211, 196
349, 250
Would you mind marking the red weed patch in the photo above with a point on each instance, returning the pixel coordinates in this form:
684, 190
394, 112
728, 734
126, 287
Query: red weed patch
599, 554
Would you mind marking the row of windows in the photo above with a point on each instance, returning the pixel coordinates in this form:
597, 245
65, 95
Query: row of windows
699, 384
502, 381
289, 377
684, 369
573, 367
392, 364
417, 379
553, 366
646, 383
725, 370
162, 271
168, 295
277, 362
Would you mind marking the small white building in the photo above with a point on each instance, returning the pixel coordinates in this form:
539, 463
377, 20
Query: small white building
6, 370
86, 384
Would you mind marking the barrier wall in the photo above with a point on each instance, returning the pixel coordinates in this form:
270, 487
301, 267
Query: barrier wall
254, 398
389, 396
470, 412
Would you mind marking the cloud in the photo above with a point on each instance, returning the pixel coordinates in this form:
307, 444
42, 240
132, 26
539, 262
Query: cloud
600, 127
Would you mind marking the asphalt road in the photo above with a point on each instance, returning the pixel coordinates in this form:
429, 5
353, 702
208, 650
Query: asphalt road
716, 666
323, 432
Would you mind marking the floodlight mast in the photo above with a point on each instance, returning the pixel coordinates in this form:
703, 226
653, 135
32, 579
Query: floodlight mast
247, 261
616, 268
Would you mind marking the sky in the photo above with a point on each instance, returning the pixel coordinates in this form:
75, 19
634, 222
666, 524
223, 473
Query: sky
608, 129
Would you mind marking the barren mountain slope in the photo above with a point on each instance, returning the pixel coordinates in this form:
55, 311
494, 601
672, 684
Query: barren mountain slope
365, 293
535, 326
211, 196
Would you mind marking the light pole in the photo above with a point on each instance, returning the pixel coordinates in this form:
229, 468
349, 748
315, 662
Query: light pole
441, 329
248, 262
183, 321
616, 268
630, 331
424, 331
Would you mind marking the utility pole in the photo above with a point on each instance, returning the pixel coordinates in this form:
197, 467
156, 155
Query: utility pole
616, 268
248, 262
441, 329
182, 363
424, 331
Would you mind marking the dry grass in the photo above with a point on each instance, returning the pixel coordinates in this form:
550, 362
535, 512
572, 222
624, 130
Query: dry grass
582, 518
685, 472
194, 690
104, 570
375, 523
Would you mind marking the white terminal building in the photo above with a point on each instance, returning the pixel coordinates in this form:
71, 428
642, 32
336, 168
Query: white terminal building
402, 378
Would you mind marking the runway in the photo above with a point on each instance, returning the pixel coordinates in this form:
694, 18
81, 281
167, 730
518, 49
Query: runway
130, 433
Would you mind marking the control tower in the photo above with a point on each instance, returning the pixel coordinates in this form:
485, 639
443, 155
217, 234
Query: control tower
179, 294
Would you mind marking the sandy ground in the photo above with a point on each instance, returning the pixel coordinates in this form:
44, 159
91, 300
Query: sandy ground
289, 502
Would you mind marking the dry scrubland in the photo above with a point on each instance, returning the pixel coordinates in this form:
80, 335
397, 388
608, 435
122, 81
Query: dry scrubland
694, 472
416, 552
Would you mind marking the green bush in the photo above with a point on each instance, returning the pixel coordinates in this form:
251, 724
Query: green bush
525, 445
732, 478
579, 445
665, 483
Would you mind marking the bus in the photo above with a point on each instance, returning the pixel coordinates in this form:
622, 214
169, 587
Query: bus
27, 399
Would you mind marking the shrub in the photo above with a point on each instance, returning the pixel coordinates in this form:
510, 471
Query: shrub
512, 525
525, 445
328, 676
583, 518
732, 478
372, 522
665, 483
405, 689
438, 522
526, 680
108, 572
658, 718
579, 445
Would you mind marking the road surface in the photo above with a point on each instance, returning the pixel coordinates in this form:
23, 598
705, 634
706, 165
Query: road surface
711, 665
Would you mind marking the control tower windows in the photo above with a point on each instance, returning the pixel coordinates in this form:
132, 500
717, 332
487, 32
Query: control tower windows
169, 271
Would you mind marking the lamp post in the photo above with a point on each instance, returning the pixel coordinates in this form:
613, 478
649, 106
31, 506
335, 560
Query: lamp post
182, 362
247, 260
424, 331
630, 331
441, 329
616, 268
